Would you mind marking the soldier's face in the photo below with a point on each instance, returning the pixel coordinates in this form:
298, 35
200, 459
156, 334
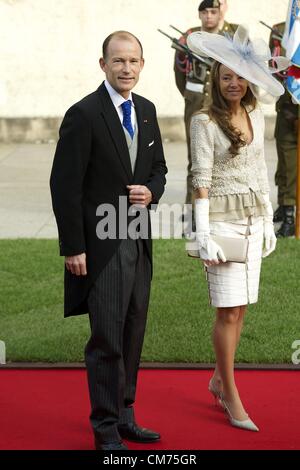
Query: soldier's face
123, 64
210, 18
233, 87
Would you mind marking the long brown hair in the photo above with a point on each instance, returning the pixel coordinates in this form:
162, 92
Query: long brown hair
219, 110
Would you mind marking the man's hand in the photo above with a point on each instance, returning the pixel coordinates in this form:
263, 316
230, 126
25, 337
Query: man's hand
76, 264
139, 195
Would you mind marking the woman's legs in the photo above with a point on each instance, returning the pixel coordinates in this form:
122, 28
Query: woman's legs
239, 326
226, 334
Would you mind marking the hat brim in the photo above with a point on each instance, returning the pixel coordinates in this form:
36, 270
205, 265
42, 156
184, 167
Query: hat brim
220, 48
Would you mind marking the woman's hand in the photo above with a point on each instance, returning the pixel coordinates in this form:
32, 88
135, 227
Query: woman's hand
211, 253
270, 239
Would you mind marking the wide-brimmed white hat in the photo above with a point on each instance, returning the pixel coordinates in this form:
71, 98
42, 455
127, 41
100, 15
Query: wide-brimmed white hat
249, 59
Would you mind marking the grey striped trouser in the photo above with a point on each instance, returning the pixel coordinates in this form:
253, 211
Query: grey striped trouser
118, 303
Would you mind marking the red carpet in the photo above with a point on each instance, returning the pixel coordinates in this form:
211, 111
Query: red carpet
48, 409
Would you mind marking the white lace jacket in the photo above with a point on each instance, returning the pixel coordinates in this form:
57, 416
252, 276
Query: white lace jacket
215, 168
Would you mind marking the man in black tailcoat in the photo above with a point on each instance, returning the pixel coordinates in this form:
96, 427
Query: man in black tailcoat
109, 160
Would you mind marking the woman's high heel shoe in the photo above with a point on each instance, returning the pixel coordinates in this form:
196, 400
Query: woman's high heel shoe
246, 424
214, 391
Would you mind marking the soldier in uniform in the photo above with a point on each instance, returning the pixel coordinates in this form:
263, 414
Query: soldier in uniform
192, 77
286, 143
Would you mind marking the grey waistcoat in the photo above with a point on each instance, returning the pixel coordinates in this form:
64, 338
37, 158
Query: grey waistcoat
132, 145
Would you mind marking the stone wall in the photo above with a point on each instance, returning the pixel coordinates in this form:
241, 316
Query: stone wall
49, 53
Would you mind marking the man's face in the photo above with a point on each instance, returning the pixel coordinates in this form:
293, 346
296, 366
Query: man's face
123, 64
210, 18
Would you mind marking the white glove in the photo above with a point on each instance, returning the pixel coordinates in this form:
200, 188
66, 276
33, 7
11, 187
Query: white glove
208, 249
270, 239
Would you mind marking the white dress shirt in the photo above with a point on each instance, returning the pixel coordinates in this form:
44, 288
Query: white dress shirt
118, 100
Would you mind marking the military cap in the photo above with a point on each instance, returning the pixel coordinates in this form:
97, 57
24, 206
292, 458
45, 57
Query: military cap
209, 4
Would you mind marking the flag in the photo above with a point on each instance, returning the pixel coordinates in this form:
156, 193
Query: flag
291, 43
293, 86
291, 37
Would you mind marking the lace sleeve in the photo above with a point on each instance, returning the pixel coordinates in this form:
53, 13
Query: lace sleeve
202, 150
260, 158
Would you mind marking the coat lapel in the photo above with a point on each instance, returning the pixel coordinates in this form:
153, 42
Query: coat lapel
142, 137
112, 120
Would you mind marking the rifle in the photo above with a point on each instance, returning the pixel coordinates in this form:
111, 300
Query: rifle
183, 48
176, 29
275, 33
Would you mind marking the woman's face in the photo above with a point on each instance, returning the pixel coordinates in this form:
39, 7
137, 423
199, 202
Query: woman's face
233, 87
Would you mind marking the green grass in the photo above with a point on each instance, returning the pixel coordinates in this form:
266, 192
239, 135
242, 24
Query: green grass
180, 319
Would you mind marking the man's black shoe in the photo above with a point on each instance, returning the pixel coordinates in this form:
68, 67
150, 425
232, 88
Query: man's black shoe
278, 214
132, 432
110, 445
286, 230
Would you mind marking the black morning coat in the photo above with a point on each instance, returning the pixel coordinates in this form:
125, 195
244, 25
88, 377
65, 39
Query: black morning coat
91, 167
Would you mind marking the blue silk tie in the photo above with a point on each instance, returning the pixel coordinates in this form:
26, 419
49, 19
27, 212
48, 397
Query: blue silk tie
126, 107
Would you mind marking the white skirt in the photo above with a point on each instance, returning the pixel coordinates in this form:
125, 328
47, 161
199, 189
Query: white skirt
235, 284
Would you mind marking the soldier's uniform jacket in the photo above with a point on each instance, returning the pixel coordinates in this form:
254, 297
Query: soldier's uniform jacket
287, 111
192, 76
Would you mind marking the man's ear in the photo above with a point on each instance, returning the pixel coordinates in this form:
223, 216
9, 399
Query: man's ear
142, 63
102, 63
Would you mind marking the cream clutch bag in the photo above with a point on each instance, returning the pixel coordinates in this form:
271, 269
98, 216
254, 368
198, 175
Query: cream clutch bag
235, 249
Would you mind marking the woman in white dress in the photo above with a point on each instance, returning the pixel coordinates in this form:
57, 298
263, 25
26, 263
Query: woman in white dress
232, 193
